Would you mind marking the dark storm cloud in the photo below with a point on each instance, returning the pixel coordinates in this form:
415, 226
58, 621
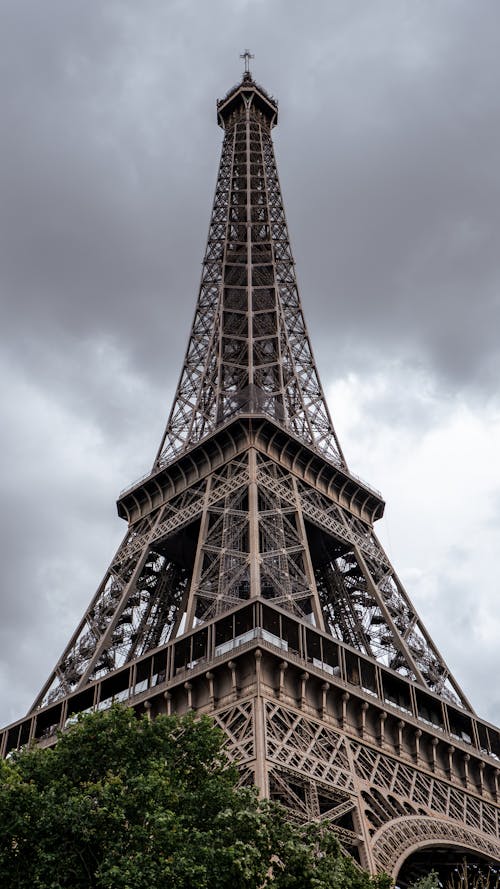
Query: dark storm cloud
95, 210
390, 135
388, 148
403, 186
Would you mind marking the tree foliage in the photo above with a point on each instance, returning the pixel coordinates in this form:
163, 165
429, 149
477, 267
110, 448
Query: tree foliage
465, 876
429, 881
127, 803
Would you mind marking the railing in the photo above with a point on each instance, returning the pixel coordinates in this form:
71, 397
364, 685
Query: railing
250, 407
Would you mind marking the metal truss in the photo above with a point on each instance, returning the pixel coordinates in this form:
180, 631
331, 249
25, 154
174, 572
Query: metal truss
397, 839
237, 722
250, 529
250, 499
395, 789
395, 801
374, 802
143, 596
249, 349
362, 602
241, 532
317, 795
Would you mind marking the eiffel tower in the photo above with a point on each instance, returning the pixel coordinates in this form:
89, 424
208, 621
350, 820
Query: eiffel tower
250, 583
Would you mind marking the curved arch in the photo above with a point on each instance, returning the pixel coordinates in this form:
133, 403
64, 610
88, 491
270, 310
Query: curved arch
395, 841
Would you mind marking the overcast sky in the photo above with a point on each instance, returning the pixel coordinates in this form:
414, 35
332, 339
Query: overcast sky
388, 149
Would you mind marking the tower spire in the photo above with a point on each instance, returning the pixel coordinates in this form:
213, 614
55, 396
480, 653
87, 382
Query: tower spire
249, 350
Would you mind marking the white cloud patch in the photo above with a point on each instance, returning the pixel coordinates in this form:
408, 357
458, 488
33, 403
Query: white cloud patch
435, 458
61, 470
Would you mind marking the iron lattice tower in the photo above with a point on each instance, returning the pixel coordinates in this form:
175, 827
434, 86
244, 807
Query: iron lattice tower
250, 583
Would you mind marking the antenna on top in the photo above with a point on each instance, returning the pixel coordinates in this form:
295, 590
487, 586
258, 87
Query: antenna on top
247, 55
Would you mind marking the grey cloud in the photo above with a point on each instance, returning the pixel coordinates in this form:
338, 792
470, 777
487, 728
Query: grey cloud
406, 204
387, 146
390, 138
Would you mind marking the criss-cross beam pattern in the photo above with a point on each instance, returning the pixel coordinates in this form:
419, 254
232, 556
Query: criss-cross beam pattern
250, 583
249, 351
250, 529
250, 526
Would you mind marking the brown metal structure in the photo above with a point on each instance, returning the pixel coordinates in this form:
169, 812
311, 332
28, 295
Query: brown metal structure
250, 583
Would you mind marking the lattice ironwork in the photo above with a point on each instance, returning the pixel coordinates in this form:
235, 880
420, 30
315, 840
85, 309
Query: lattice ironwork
237, 723
392, 780
249, 350
250, 508
251, 528
307, 800
395, 797
307, 747
143, 598
400, 837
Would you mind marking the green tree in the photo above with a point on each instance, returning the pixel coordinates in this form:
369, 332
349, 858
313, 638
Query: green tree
429, 881
465, 876
127, 803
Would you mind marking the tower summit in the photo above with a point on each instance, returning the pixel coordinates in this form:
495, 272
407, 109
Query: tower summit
249, 350
250, 583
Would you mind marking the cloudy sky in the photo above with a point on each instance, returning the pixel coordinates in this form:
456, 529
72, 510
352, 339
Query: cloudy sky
388, 148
